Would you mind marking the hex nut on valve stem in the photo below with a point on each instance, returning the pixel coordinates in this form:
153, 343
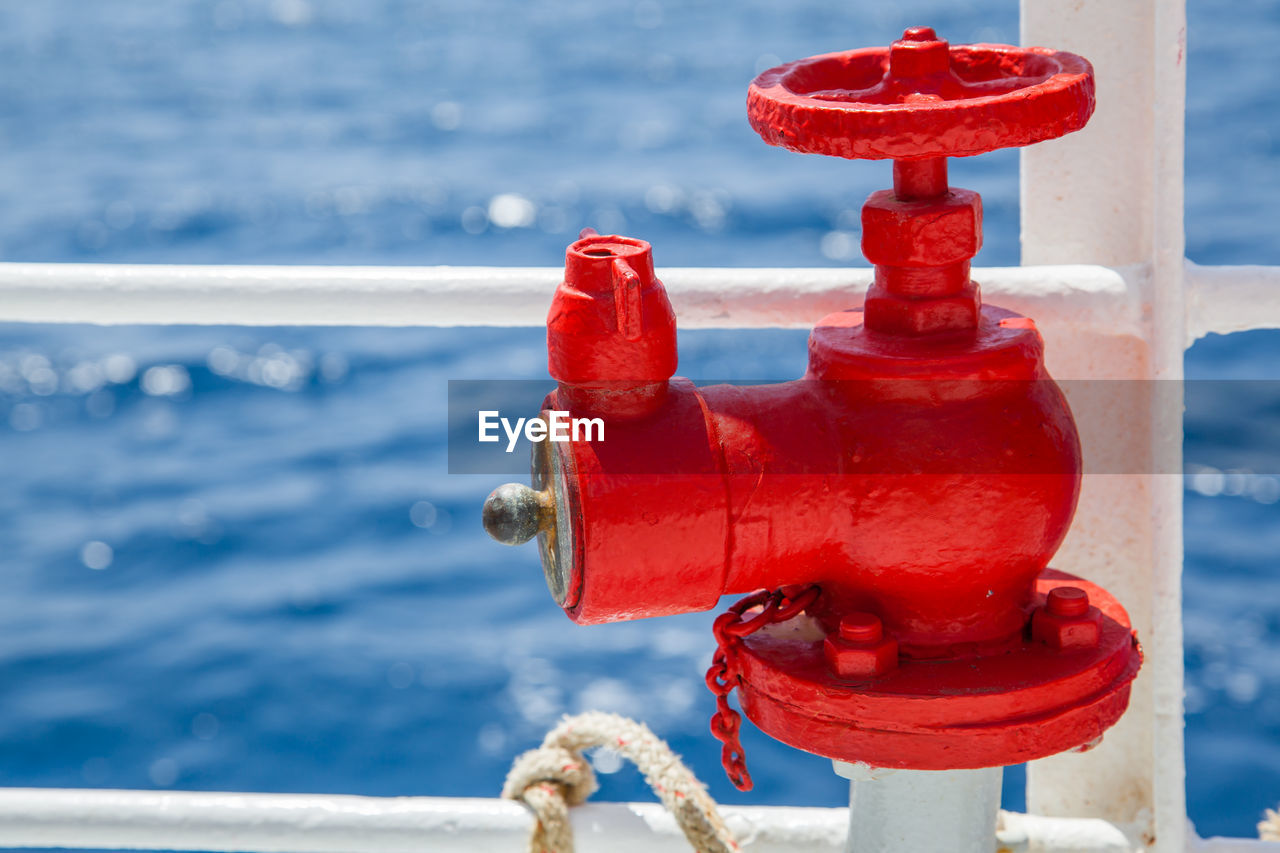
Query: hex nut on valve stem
514, 513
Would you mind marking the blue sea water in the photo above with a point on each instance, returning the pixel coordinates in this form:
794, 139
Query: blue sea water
232, 557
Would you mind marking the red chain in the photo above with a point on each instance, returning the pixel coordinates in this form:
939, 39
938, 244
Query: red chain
730, 627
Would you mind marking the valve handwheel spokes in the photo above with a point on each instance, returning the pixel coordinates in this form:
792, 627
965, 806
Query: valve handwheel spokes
921, 98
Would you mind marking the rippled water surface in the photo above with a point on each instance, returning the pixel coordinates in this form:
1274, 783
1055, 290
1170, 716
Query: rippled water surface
233, 558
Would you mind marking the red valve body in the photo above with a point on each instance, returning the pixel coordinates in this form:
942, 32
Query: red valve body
925, 499
922, 473
925, 478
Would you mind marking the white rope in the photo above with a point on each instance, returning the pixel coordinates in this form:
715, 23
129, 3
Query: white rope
1269, 827
555, 776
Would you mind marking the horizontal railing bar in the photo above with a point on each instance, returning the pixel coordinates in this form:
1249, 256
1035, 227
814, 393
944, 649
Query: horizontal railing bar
323, 823
83, 818
1101, 298
1223, 300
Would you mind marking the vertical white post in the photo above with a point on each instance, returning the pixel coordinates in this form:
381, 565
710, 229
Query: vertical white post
1112, 194
921, 811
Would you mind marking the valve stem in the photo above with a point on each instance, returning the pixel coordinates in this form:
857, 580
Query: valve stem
919, 179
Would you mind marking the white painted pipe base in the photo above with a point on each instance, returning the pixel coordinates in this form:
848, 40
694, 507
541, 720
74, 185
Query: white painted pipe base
921, 811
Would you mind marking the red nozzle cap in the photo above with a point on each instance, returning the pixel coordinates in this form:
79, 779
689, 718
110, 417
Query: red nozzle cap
611, 333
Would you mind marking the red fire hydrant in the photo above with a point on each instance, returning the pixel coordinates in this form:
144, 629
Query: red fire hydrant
893, 512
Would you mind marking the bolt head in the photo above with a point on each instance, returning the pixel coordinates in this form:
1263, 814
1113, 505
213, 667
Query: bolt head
849, 655
861, 628
1067, 601
1067, 631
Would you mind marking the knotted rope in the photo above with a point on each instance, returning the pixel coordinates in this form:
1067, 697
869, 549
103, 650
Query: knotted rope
555, 776
1269, 828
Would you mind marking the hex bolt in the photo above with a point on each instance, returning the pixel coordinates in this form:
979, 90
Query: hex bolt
1066, 621
1068, 601
861, 628
858, 648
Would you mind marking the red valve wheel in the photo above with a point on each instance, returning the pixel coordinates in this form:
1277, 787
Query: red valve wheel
921, 98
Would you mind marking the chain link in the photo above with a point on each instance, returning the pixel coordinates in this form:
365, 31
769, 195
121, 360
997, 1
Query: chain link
730, 627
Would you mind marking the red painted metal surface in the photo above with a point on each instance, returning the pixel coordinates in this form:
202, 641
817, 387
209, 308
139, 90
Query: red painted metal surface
1031, 700
611, 333
920, 475
921, 98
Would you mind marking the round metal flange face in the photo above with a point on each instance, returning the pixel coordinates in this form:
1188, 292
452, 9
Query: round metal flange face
1026, 702
858, 104
557, 541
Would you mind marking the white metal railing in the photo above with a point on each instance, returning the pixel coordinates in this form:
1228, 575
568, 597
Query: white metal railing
503, 296
328, 823
319, 823
1103, 299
